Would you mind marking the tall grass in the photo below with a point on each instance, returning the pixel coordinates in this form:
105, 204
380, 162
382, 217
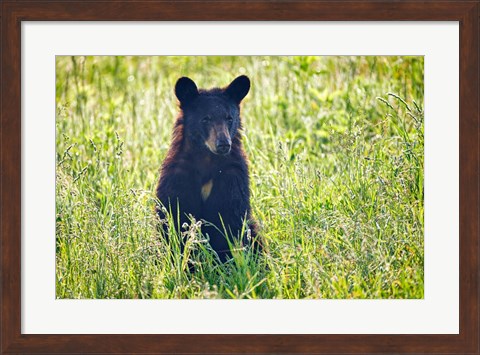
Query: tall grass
336, 150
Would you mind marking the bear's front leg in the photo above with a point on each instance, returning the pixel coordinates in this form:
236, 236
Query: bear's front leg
226, 207
177, 194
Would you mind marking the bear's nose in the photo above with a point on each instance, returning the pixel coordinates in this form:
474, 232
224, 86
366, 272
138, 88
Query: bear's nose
223, 146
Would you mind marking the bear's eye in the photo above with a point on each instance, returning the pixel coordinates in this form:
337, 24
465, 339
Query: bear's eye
206, 119
229, 119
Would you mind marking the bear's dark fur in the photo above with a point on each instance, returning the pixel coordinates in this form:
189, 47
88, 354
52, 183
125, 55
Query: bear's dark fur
205, 171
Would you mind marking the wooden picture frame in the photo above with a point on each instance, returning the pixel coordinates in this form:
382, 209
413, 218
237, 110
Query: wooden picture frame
14, 12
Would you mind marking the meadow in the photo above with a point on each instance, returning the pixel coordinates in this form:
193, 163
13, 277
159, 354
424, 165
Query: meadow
336, 149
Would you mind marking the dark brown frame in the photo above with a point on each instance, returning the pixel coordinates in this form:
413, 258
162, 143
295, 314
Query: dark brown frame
13, 12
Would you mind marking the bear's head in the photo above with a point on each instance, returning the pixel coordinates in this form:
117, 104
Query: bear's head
211, 117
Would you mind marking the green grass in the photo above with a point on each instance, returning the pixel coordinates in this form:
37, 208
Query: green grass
336, 151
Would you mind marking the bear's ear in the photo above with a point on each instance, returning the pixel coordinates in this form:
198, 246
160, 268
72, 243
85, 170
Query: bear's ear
185, 90
238, 88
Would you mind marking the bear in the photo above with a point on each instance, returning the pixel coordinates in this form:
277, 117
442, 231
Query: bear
205, 173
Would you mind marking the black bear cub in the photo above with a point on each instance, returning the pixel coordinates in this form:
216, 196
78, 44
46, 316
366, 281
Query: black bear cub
205, 172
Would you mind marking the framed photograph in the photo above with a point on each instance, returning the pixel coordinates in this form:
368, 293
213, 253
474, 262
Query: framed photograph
226, 177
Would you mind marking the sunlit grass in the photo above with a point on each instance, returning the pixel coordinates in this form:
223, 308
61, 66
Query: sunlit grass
336, 151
